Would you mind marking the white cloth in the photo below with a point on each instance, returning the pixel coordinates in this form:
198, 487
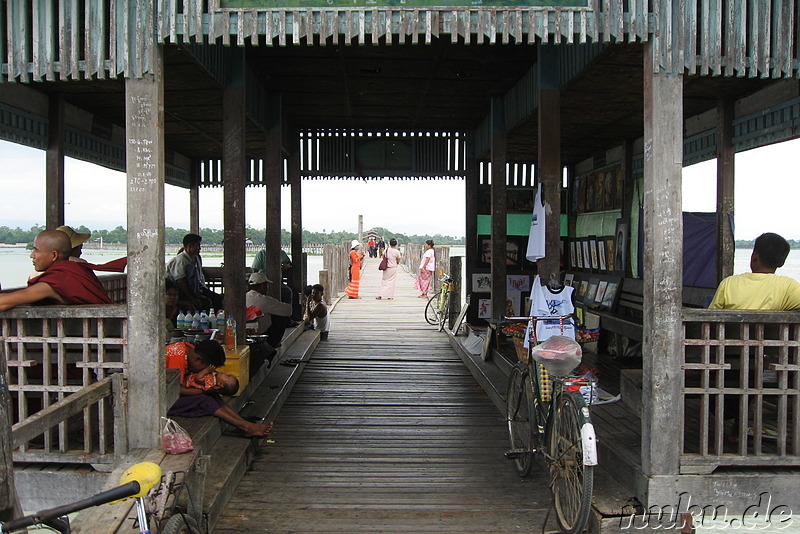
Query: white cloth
546, 302
323, 324
536, 237
268, 305
432, 263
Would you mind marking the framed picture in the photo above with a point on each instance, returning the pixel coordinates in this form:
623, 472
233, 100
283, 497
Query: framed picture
601, 253
610, 253
591, 291
481, 283
610, 297
601, 291
587, 258
578, 255
484, 308
621, 237
593, 251
513, 300
573, 262
568, 278
584, 288
460, 318
579, 314
518, 282
486, 250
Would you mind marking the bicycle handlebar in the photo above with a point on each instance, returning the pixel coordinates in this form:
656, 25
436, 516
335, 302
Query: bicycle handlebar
120, 492
537, 318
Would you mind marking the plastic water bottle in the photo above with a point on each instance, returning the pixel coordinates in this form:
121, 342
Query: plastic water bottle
221, 321
230, 333
204, 320
196, 319
180, 321
212, 318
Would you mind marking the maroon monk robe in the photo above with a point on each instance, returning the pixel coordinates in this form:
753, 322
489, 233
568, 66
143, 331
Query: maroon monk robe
74, 282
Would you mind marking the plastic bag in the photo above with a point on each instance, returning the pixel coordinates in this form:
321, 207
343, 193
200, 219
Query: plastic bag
174, 439
559, 355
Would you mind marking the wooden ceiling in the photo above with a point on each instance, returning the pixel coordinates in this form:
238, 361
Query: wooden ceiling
437, 86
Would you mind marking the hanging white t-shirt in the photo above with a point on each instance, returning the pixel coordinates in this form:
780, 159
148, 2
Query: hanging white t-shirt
548, 302
536, 237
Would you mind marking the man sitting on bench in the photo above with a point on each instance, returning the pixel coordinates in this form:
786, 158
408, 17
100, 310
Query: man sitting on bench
760, 289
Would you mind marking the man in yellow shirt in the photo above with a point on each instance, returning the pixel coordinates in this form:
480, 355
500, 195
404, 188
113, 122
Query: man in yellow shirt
760, 289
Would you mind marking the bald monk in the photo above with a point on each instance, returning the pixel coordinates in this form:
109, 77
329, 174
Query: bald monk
62, 281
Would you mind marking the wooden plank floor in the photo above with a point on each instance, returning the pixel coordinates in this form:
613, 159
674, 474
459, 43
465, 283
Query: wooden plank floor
386, 431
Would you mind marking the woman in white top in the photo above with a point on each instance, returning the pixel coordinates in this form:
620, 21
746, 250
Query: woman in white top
427, 266
389, 279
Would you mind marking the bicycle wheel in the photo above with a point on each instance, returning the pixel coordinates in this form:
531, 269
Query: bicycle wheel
570, 481
444, 311
180, 524
519, 410
431, 308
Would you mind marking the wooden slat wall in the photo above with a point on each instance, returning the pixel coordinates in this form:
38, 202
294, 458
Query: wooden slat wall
74, 39
741, 363
53, 352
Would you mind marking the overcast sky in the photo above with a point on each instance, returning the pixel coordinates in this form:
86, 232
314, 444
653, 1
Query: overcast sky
767, 193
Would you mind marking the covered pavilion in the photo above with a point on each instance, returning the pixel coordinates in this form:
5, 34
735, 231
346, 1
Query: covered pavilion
243, 93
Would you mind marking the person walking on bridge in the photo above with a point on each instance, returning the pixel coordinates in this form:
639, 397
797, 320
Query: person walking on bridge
355, 269
390, 274
427, 265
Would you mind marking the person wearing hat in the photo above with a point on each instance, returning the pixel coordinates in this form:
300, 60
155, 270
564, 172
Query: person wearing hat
60, 281
276, 313
355, 269
76, 239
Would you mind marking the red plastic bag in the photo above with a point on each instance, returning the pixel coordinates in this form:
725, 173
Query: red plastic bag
174, 439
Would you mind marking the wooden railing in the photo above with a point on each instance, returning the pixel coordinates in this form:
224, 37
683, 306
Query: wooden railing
55, 353
741, 389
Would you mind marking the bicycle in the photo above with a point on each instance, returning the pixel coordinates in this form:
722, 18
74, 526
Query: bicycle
438, 308
547, 416
154, 495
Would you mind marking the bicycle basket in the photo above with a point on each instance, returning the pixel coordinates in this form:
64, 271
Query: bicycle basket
559, 355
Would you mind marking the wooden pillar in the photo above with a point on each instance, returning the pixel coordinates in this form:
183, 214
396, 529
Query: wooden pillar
726, 247
550, 157
662, 420
54, 171
471, 222
144, 132
234, 167
298, 273
194, 198
499, 207
273, 168
627, 198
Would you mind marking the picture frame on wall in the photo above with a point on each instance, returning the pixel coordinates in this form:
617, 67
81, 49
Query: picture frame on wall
593, 252
484, 308
481, 283
610, 253
621, 236
601, 254
578, 254
573, 261
568, 278
587, 258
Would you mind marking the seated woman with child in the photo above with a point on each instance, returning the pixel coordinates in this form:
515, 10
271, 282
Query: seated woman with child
202, 384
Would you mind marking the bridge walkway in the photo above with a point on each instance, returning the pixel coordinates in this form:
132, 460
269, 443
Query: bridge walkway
386, 431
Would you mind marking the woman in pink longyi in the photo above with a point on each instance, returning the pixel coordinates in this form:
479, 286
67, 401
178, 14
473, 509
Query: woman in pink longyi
427, 266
